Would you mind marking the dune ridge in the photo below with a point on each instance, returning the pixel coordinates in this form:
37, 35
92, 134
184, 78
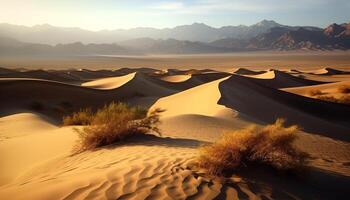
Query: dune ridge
244, 71
329, 71
200, 105
279, 79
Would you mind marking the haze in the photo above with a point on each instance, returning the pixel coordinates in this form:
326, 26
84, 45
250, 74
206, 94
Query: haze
108, 14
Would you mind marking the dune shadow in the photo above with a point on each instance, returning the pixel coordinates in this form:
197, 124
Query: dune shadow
152, 140
266, 104
309, 183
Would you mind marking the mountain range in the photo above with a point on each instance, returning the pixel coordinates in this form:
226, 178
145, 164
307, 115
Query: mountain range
195, 38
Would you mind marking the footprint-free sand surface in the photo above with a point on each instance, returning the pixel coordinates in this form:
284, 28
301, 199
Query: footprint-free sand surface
38, 161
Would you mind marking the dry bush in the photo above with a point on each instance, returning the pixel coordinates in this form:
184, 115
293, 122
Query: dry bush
270, 145
115, 122
83, 117
315, 92
344, 99
345, 89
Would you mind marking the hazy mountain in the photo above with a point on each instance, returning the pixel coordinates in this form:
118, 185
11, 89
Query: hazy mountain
272, 37
333, 37
47, 34
13, 47
9, 46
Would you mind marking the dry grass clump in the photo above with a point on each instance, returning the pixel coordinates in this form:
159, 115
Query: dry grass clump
344, 99
83, 117
345, 89
270, 145
315, 92
115, 122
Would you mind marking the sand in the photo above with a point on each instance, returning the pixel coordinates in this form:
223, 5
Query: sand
109, 83
176, 78
250, 60
38, 161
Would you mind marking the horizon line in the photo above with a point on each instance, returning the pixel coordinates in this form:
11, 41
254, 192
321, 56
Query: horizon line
189, 24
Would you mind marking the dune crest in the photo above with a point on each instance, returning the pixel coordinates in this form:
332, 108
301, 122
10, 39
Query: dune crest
244, 71
176, 78
109, 83
329, 71
279, 79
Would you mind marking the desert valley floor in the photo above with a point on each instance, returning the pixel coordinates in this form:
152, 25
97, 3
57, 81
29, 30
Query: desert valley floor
36, 150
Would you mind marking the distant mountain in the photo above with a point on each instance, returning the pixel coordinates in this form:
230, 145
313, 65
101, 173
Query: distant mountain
338, 31
9, 46
333, 37
266, 35
13, 47
47, 34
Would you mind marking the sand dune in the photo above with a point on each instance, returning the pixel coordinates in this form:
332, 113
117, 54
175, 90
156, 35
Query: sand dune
244, 71
38, 163
325, 89
27, 140
66, 76
329, 71
279, 79
6, 71
194, 80
41, 74
23, 124
56, 99
109, 83
176, 78
207, 94
267, 104
188, 71
148, 167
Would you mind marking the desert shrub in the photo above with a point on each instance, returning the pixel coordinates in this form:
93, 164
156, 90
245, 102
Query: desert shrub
344, 99
83, 117
315, 92
270, 145
345, 89
115, 122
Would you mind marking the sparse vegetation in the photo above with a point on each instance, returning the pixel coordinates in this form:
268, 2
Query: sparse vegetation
344, 99
83, 117
345, 89
270, 145
315, 92
113, 123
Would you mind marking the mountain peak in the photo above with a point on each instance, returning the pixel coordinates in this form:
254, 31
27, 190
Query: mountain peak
265, 22
199, 24
334, 29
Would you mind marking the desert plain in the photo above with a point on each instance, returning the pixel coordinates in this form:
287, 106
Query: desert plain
202, 96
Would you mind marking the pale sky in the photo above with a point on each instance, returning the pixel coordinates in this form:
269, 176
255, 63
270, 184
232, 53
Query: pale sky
115, 14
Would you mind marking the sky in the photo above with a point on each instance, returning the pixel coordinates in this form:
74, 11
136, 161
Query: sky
124, 14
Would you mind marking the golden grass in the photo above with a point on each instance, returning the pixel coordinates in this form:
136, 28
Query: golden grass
270, 145
83, 117
344, 99
113, 123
